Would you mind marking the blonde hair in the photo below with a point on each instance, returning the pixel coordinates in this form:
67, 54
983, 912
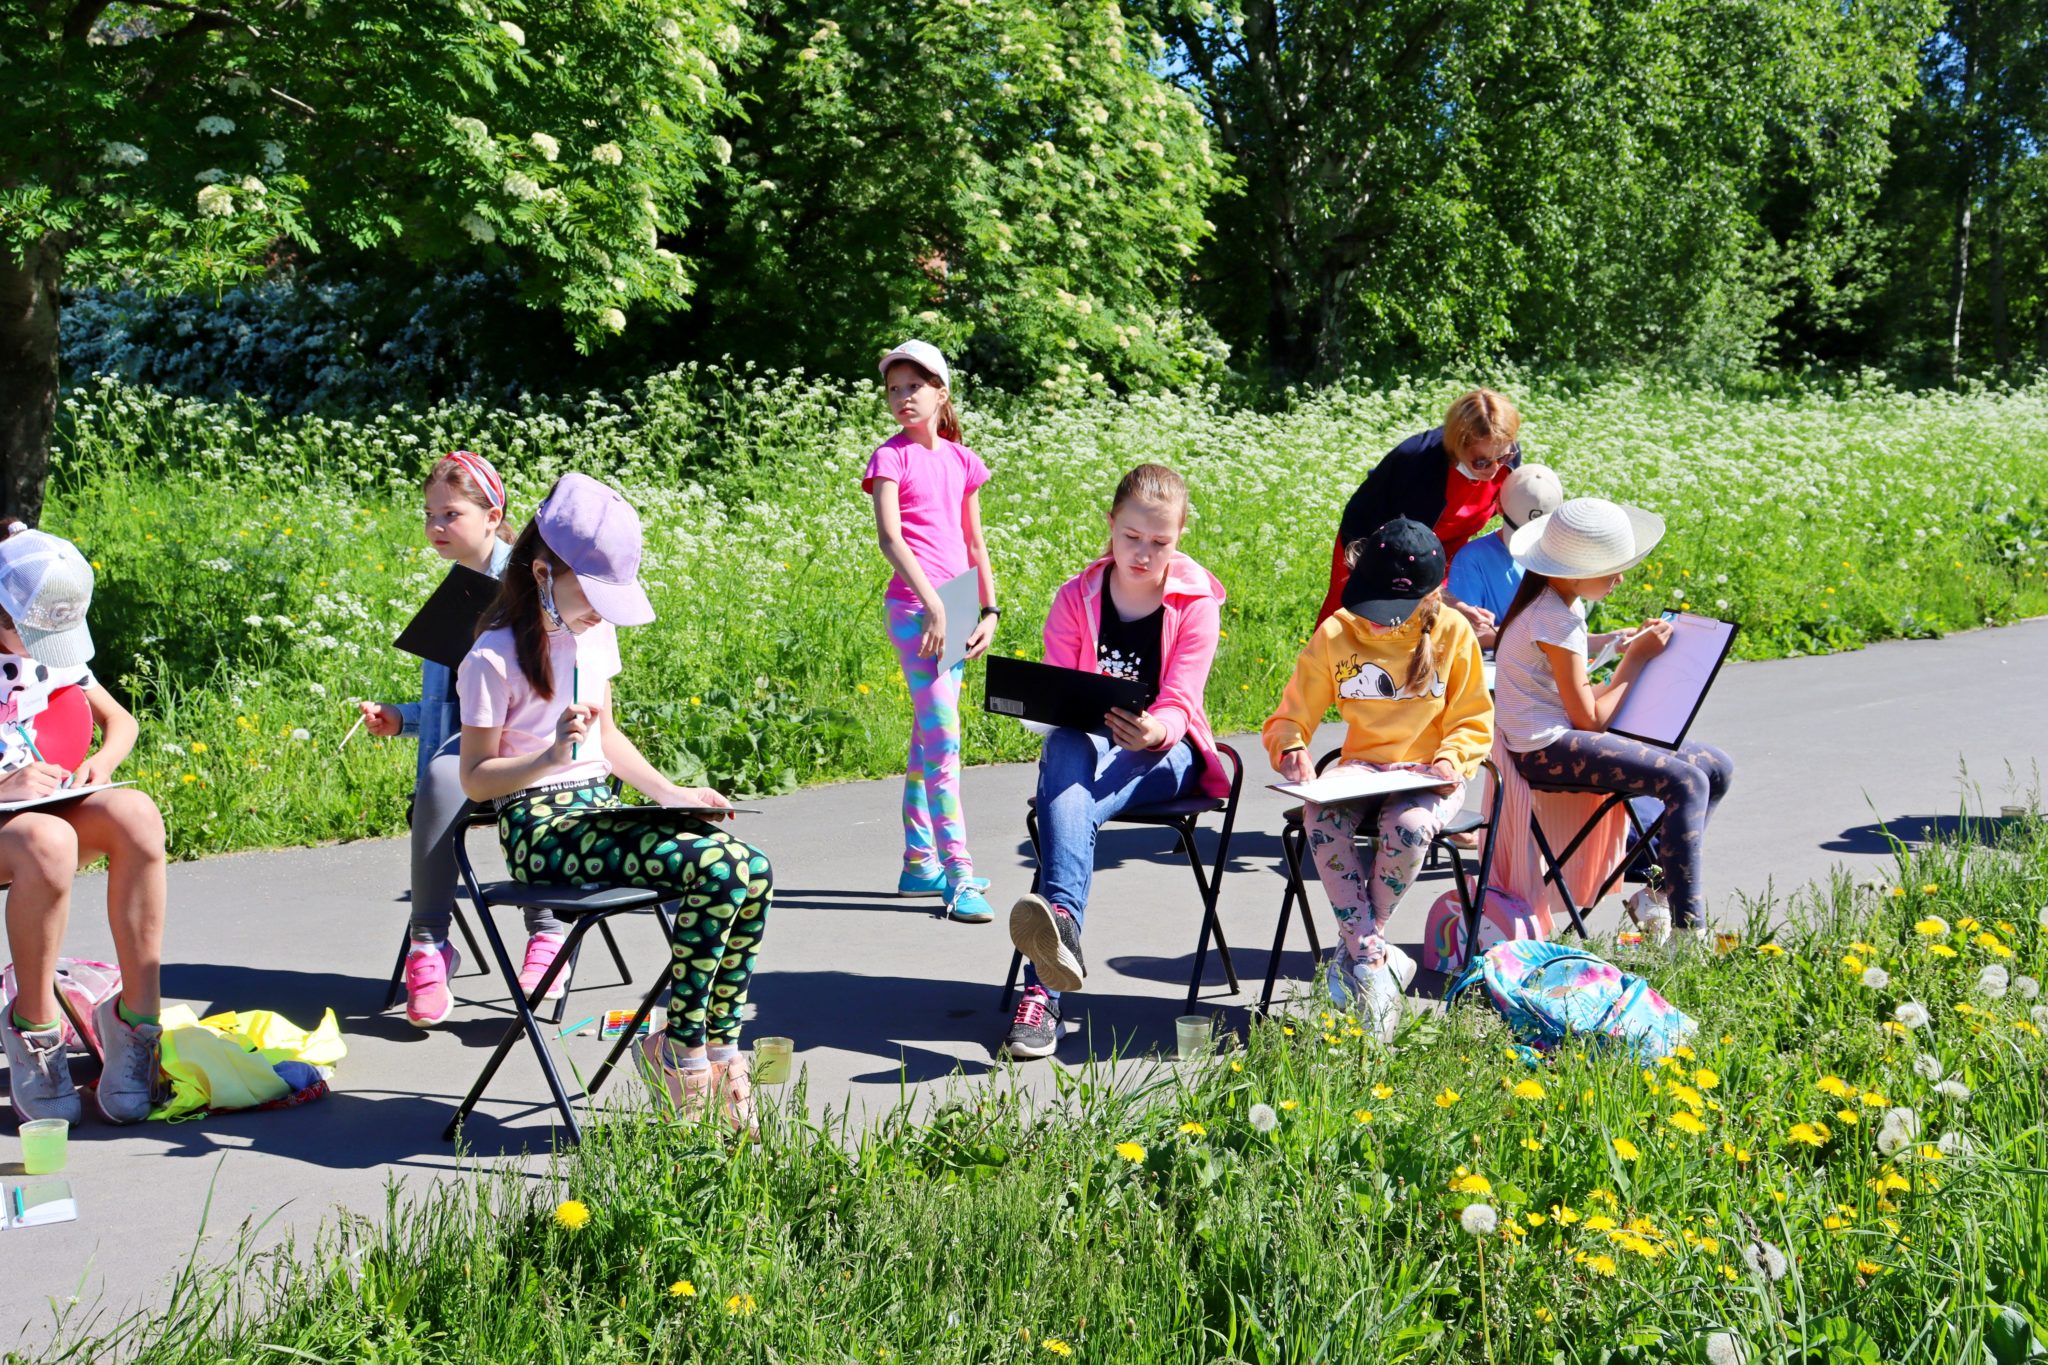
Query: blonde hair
1155, 485
1422, 662
1481, 415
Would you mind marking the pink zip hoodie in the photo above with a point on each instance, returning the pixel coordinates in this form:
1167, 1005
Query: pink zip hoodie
1187, 643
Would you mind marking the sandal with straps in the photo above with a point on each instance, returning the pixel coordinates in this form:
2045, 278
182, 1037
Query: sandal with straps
687, 1091
736, 1088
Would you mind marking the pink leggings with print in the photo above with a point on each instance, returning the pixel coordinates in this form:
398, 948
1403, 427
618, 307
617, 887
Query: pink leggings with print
1364, 894
934, 831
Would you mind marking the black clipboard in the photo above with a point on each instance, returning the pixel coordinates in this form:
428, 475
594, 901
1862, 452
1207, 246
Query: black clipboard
445, 627
1672, 697
1047, 694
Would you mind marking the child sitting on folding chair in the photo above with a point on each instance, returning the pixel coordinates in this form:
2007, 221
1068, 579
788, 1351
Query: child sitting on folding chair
539, 742
465, 519
49, 705
1144, 612
1555, 723
1408, 680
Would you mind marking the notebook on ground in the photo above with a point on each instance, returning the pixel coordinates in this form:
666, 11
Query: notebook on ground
445, 627
1051, 695
1340, 785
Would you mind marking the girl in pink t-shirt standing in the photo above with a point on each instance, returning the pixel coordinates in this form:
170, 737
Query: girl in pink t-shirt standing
925, 487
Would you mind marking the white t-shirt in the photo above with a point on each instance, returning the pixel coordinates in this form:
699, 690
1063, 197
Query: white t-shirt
1527, 708
494, 693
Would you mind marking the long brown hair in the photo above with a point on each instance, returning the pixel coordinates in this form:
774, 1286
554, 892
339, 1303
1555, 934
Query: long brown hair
1154, 485
453, 474
1422, 662
948, 423
517, 608
1531, 586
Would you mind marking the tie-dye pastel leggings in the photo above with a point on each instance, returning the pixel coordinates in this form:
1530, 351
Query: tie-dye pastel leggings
723, 888
934, 830
1689, 781
1363, 894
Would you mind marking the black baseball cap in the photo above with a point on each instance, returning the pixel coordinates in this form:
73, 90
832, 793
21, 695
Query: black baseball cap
1395, 568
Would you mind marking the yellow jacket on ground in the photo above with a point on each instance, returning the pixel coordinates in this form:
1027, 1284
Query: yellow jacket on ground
1449, 716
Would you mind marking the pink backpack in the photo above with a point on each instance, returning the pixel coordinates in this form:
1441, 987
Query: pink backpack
1504, 918
81, 987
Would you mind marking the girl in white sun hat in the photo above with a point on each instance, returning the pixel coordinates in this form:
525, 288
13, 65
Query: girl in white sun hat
1554, 722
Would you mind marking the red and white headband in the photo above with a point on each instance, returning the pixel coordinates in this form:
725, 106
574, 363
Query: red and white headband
479, 469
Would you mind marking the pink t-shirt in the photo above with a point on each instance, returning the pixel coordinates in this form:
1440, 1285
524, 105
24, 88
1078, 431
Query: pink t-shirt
494, 693
931, 485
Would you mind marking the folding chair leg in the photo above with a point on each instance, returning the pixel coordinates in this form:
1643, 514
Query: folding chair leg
618, 958
476, 952
527, 1023
398, 970
1211, 924
1037, 871
1010, 981
1555, 876
1290, 852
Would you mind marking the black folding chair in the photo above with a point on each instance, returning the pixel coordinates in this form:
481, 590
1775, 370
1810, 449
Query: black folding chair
1554, 863
1183, 815
1294, 847
585, 906
474, 816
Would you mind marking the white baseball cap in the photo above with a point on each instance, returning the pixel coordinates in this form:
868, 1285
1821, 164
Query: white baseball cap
1587, 538
922, 354
1530, 492
46, 586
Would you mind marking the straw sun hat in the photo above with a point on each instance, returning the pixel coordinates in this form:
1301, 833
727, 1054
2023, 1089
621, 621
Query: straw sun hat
1587, 538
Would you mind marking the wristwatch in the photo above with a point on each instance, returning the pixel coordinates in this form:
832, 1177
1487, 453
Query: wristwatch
987, 612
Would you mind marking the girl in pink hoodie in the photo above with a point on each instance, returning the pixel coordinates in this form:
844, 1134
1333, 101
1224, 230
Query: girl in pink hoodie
1145, 612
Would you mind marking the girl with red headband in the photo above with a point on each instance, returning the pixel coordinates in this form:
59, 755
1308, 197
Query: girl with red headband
465, 517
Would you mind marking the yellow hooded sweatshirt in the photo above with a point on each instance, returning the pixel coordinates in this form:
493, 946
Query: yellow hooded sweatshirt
1449, 717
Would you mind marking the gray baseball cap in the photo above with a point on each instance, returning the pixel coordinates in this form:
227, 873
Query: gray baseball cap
46, 586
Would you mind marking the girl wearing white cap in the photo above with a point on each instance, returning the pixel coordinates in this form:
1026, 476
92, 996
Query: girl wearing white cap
539, 743
926, 491
1554, 722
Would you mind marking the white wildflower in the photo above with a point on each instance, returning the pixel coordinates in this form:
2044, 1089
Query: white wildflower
522, 186
1928, 1067
252, 185
546, 146
302, 734
473, 128
317, 689
1993, 982
607, 154
2042, 918
252, 620
1479, 1219
1900, 1130
1912, 1014
171, 748
213, 125
1263, 1118
1877, 978
721, 149
217, 201
1765, 1259
122, 154
2039, 1014
513, 31
1725, 1348
613, 320
1953, 1089
727, 39
670, 29
1955, 1144
2028, 988
478, 228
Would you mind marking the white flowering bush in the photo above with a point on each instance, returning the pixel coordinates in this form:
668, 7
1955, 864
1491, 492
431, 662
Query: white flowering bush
1819, 521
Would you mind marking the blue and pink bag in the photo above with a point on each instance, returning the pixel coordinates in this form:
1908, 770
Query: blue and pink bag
1549, 993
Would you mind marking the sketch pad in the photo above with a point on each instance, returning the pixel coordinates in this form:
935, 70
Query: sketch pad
961, 598
1665, 697
1343, 785
446, 626
61, 795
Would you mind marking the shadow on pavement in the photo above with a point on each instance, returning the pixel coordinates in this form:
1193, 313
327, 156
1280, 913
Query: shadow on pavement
1876, 838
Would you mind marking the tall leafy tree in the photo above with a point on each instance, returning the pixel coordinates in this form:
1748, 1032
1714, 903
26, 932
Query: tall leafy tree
1431, 178
1010, 178
186, 145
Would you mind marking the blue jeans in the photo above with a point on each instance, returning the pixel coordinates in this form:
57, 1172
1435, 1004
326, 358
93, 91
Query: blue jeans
1083, 780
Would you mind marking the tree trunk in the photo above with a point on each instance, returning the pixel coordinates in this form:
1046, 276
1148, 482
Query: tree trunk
1966, 185
1958, 281
28, 374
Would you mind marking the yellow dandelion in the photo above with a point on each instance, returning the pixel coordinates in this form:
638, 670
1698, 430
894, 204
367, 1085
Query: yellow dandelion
1289, 1106
188, 777
1836, 1086
1600, 1222
1130, 1151
1625, 1149
1705, 1079
1933, 888
1472, 1184
1870, 1099
1728, 1273
1530, 1144
861, 688
1606, 1197
198, 746
1848, 1117
1600, 1265
572, 1214
1927, 1151
682, 1289
1056, 1346
1687, 1123
1689, 1097
1565, 1214
1446, 1098
1544, 1315
1869, 1268
1852, 964
1770, 950
1383, 1092
1812, 1134
1193, 1129
740, 1305
1528, 1090
1941, 950
1362, 1115
1833, 1223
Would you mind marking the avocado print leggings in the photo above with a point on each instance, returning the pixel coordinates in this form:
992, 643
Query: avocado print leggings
723, 888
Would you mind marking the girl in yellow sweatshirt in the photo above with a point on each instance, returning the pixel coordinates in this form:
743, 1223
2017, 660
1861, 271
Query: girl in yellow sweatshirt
1407, 678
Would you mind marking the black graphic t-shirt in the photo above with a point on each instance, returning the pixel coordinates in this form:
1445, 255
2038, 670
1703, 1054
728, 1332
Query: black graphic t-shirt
1129, 649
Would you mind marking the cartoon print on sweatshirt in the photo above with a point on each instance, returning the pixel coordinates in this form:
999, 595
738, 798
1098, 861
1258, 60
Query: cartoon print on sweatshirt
1360, 680
25, 689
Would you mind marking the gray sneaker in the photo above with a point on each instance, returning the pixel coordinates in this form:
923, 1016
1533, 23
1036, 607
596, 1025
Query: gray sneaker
1376, 992
134, 1054
1050, 941
39, 1074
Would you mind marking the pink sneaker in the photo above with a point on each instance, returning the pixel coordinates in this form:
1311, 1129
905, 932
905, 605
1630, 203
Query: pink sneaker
427, 998
541, 951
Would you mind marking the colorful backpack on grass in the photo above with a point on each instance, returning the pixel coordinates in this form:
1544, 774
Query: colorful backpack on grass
1549, 993
1503, 918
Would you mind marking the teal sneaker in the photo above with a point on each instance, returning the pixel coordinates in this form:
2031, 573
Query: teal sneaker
913, 883
967, 904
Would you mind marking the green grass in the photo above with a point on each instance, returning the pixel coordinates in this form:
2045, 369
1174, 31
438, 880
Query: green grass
253, 572
1159, 1216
